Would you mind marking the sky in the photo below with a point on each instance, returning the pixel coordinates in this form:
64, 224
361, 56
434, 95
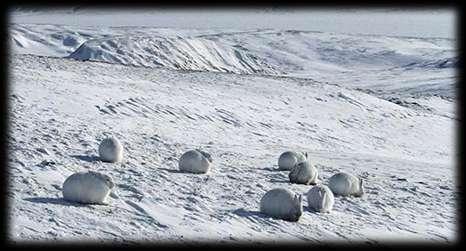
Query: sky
390, 22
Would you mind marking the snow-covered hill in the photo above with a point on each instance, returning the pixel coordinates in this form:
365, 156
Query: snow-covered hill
61, 108
425, 66
379, 107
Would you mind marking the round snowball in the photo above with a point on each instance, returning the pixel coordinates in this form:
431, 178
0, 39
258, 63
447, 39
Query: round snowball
87, 187
111, 150
281, 203
345, 184
303, 173
320, 198
289, 159
195, 161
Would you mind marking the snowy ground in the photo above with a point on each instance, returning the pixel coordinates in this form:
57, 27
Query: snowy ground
379, 107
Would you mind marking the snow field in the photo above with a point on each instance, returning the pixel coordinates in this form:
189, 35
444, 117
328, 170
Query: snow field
403, 154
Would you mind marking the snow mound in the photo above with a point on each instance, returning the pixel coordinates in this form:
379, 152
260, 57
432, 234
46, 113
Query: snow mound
46, 40
198, 54
289, 52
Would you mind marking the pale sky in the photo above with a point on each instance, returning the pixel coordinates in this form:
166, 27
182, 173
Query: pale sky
393, 22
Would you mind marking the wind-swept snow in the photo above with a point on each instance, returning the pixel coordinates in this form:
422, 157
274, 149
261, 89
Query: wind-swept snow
60, 109
379, 107
424, 66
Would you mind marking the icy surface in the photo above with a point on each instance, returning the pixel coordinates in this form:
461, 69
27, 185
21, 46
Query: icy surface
379, 107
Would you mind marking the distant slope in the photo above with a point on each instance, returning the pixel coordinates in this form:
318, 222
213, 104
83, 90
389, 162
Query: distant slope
291, 51
417, 66
49, 40
198, 54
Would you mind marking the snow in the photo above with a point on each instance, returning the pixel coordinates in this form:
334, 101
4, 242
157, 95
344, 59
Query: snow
424, 65
379, 107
